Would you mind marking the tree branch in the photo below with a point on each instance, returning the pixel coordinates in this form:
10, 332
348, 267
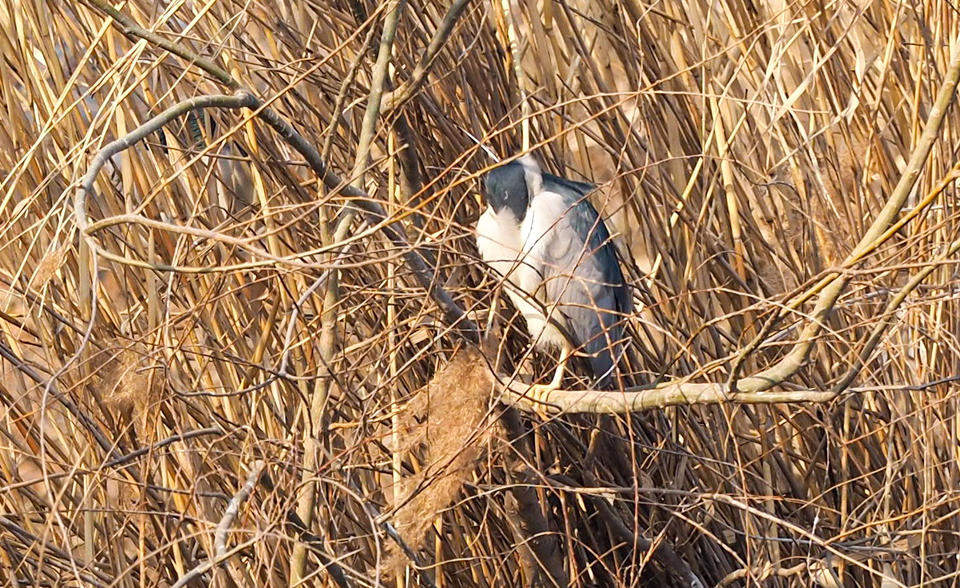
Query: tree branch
395, 99
791, 363
640, 398
328, 318
454, 315
220, 553
233, 508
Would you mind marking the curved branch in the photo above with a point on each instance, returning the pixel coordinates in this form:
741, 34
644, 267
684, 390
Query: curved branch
791, 363
683, 392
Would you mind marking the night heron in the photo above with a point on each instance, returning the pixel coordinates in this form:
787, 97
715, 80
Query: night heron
560, 266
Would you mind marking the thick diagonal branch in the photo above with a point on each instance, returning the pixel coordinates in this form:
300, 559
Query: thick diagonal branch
791, 363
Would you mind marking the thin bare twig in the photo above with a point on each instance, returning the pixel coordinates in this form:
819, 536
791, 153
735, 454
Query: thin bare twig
396, 98
233, 508
454, 314
221, 554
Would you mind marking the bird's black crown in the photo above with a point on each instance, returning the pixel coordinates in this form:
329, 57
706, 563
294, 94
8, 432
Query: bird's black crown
506, 187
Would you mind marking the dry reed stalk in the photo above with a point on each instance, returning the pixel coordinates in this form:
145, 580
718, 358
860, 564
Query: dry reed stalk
743, 150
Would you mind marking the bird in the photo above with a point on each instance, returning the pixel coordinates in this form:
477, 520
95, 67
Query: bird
559, 265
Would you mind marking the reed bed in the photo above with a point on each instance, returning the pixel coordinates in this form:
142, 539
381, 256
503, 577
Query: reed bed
219, 366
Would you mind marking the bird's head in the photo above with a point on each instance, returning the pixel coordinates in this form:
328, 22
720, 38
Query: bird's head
505, 187
512, 185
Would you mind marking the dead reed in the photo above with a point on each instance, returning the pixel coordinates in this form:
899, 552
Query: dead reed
213, 367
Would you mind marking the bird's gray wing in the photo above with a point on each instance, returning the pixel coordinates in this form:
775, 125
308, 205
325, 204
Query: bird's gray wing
582, 276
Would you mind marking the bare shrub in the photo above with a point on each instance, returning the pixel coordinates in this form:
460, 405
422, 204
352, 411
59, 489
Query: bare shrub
230, 316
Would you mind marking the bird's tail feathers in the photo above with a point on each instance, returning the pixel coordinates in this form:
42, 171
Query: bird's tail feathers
603, 364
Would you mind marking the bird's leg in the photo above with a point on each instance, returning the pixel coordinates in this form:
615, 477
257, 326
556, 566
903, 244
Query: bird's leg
561, 367
541, 389
492, 315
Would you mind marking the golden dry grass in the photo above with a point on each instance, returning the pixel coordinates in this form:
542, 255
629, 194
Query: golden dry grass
742, 146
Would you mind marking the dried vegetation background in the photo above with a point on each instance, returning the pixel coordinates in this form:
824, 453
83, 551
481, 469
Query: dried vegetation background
257, 419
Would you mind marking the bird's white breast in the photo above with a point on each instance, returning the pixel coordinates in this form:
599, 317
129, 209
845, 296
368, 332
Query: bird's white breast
512, 249
538, 232
541, 241
498, 240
